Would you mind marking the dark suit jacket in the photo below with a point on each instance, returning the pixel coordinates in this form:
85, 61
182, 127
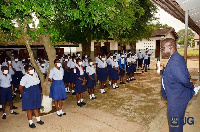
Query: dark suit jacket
178, 88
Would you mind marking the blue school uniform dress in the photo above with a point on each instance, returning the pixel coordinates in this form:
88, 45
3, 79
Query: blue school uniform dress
102, 74
66, 77
31, 97
18, 73
6, 90
85, 64
122, 65
140, 56
97, 72
109, 62
114, 75
133, 66
146, 59
71, 65
57, 89
91, 71
79, 72
128, 66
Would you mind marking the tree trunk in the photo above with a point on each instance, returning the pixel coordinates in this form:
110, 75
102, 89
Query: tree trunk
89, 45
51, 53
46, 101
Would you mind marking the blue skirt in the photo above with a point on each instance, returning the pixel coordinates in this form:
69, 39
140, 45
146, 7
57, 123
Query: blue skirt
128, 69
31, 98
66, 77
72, 78
6, 95
122, 72
57, 90
115, 75
102, 74
79, 88
140, 61
90, 83
110, 69
16, 78
146, 62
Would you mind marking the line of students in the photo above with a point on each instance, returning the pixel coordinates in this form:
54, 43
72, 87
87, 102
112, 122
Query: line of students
80, 73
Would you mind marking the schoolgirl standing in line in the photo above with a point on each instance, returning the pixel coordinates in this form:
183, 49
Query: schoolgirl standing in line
91, 80
57, 89
71, 64
122, 67
66, 73
80, 82
115, 72
31, 97
102, 73
109, 62
6, 90
97, 59
128, 68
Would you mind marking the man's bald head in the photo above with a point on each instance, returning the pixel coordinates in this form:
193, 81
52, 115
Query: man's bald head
168, 47
171, 41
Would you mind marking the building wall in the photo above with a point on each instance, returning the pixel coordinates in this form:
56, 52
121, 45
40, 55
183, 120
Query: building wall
196, 44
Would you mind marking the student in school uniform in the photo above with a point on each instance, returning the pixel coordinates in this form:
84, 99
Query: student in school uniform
102, 73
80, 82
140, 56
43, 69
91, 79
31, 97
71, 64
6, 91
57, 89
17, 67
145, 61
97, 59
109, 62
149, 56
128, 68
133, 67
115, 72
66, 73
122, 67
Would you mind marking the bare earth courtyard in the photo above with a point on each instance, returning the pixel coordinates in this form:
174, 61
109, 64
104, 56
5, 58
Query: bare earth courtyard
134, 107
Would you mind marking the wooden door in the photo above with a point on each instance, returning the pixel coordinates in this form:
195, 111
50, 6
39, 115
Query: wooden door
157, 48
60, 51
107, 44
40, 53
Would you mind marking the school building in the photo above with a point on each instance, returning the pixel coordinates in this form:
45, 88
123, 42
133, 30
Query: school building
154, 42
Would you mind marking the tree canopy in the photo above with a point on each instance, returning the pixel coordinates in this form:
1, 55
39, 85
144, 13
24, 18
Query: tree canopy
181, 34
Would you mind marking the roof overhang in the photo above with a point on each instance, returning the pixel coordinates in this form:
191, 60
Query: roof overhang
177, 9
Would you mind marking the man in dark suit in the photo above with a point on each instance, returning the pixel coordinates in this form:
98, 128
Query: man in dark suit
175, 85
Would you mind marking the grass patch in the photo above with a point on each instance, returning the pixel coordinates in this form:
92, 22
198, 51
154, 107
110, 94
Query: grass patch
190, 52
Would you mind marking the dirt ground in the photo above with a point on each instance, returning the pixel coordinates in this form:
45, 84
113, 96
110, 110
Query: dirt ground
134, 107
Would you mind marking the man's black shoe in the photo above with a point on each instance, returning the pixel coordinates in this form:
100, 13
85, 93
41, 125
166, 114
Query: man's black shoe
40, 122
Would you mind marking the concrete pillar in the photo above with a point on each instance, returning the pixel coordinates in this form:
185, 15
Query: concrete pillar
186, 36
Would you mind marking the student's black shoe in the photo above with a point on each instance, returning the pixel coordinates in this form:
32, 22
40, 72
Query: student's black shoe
14, 107
14, 113
83, 103
127, 81
32, 125
14, 95
79, 104
73, 93
123, 83
105, 86
94, 97
145, 70
40, 122
134, 79
104, 92
63, 113
59, 115
131, 79
116, 86
4, 117
142, 71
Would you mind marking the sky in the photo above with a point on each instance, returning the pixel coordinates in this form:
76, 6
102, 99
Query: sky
166, 18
